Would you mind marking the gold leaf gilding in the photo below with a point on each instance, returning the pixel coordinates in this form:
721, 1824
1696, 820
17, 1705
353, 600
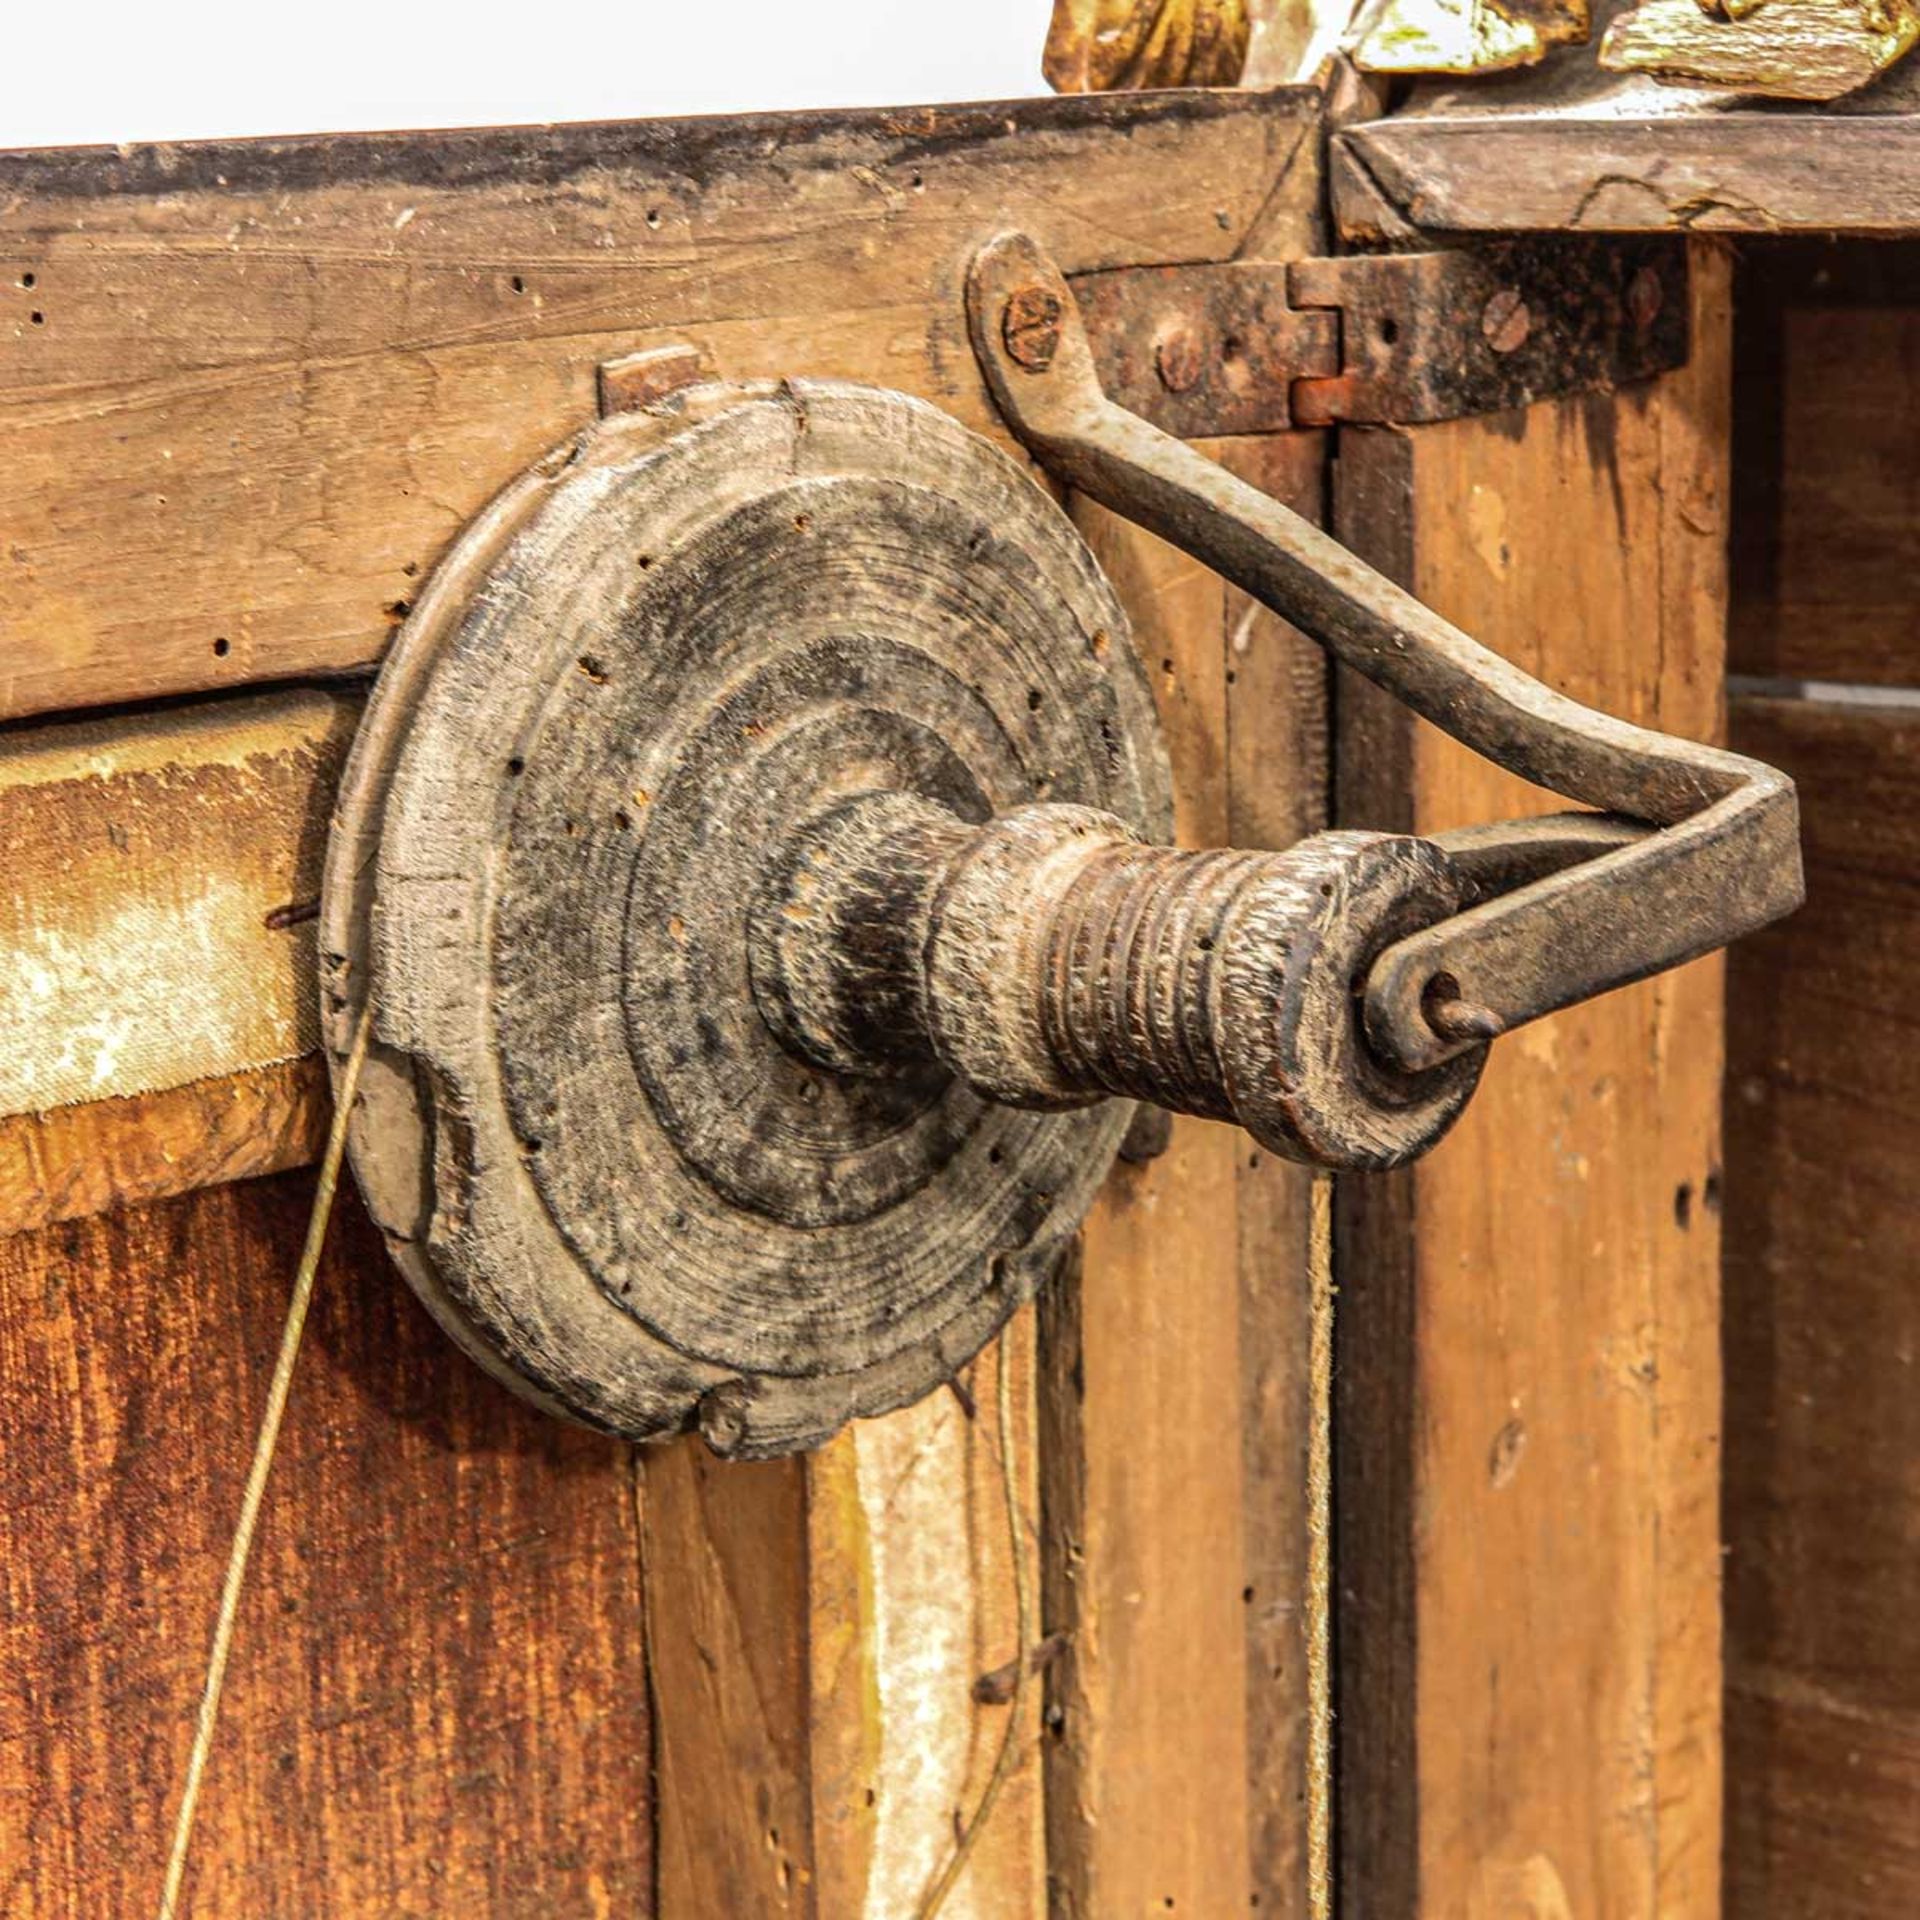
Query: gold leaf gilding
1463, 36
1100, 46
1786, 49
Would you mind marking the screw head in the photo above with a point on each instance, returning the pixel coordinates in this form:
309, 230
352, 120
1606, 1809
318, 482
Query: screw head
1505, 321
1177, 358
1645, 296
1030, 326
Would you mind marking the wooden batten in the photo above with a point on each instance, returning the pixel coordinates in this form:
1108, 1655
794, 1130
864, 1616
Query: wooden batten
1529, 1388
251, 390
1565, 148
156, 949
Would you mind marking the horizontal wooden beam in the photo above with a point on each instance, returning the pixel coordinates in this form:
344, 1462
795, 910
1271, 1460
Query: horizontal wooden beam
250, 390
1564, 148
156, 949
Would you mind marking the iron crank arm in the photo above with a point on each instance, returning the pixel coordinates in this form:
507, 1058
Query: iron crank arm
1693, 846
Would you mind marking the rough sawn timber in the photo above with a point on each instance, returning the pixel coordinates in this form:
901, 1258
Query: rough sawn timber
437, 1702
1174, 1404
300, 366
251, 390
156, 949
1528, 1382
1822, 1495
1566, 148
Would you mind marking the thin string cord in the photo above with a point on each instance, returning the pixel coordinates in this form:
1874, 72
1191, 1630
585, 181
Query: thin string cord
1320, 1554
264, 1445
1008, 1757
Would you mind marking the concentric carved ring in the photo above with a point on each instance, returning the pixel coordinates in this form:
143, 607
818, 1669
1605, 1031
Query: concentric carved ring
631, 685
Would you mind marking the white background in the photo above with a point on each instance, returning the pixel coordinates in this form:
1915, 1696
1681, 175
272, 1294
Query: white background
80, 71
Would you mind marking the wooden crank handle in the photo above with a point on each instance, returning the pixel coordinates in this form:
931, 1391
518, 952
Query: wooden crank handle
1725, 858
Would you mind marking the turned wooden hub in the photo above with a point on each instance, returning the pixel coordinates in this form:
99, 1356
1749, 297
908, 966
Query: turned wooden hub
754, 853
1049, 958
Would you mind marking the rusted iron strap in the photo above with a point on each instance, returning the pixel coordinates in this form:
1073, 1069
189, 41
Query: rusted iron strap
1723, 861
1386, 339
1205, 350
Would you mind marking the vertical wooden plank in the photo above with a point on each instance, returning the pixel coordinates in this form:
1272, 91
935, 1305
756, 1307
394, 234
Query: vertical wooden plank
912, 1607
1823, 1330
1277, 774
724, 1549
1174, 1393
436, 1702
1823, 1105
1529, 1388
1147, 1784
816, 1630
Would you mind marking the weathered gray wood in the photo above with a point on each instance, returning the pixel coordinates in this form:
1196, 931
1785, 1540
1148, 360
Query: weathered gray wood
1050, 957
680, 638
1569, 148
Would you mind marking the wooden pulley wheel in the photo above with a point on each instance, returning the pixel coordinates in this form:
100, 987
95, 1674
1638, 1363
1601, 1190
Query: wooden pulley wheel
749, 852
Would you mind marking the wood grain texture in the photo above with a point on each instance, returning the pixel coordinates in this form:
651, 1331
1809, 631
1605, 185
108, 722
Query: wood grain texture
437, 1702
1826, 523
1569, 147
1823, 1723
1822, 1503
69, 1162
1277, 769
1529, 1382
156, 949
816, 1629
1144, 1505
1173, 1398
912, 1608
164, 877
303, 365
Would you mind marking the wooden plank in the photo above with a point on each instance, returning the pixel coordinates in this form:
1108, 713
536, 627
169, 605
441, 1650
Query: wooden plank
156, 949
250, 390
816, 1632
1145, 1500
1278, 787
1174, 1396
1822, 1497
1826, 524
1528, 1386
437, 1702
1823, 1726
1564, 147
70, 1162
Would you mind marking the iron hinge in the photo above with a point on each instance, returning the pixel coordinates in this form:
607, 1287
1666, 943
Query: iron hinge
1386, 339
